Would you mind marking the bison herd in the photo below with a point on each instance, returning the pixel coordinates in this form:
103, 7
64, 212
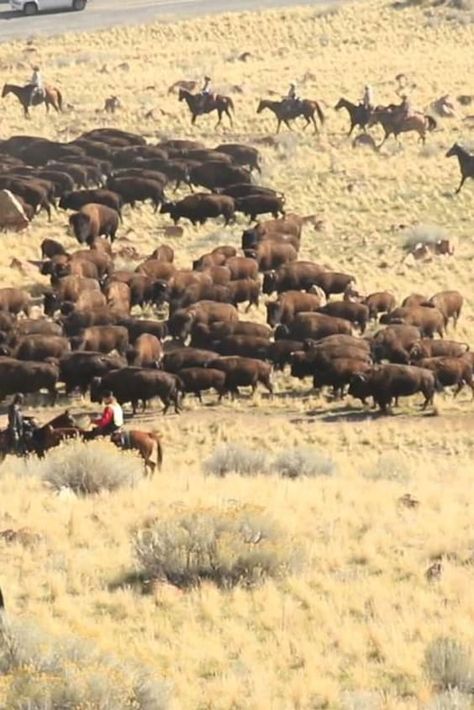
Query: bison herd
318, 325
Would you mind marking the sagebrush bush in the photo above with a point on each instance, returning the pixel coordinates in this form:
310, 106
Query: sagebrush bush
236, 458
390, 467
449, 665
361, 700
303, 461
89, 467
41, 672
423, 234
450, 700
225, 548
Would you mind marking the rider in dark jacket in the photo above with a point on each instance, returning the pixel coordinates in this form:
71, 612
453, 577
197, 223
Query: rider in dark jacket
16, 423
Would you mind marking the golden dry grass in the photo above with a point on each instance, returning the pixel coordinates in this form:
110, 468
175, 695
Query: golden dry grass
351, 627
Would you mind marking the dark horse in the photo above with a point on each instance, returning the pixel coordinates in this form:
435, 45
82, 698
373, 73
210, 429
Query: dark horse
393, 123
199, 105
359, 115
50, 97
287, 110
145, 442
42, 438
466, 163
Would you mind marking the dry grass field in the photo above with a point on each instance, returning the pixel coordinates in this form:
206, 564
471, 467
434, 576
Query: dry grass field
349, 619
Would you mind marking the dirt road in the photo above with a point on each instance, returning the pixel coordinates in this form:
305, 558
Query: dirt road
106, 13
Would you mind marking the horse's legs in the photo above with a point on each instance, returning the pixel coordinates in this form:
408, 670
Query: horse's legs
193, 119
219, 113
463, 180
353, 125
285, 121
314, 124
278, 125
228, 113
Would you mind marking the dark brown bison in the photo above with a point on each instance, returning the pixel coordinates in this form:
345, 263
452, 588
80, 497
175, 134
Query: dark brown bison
279, 352
104, 339
244, 372
203, 334
242, 268
14, 301
449, 303
50, 248
181, 358
314, 326
333, 282
92, 221
146, 351
254, 205
118, 296
244, 155
380, 302
356, 313
163, 253
80, 198
297, 276
27, 377
243, 291
414, 299
181, 323
271, 255
138, 326
135, 384
338, 373
195, 380
450, 371
78, 369
217, 174
137, 189
79, 319
39, 347
394, 343
200, 207
429, 320
306, 363
428, 347
384, 383
242, 345
288, 304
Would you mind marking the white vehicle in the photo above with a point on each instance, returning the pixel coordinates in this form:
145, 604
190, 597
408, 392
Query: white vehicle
32, 7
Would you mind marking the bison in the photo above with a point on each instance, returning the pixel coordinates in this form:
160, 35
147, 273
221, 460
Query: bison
92, 221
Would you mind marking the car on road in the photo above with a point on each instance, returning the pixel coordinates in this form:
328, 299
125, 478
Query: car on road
32, 7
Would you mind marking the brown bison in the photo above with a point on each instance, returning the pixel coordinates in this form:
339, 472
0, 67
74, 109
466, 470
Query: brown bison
242, 268
271, 255
78, 369
92, 221
181, 323
395, 343
202, 334
384, 383
104, 339
200, 207
380, 302
137, 189
244, 290
427, 347
288, 304
356, 313
135, 384
314, 326
254, 205
243, 372
181, 358
27, 377
449, 303
39, 347
79, 198
242, 345
14, 301
428, 320
146, 351
297, 276
450, 371
195, 380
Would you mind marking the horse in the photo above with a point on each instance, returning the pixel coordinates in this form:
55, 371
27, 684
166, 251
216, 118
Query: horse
466, 163
199, 105
288, 110
145, 442
51, 96
393, 123
42, 438
359, 115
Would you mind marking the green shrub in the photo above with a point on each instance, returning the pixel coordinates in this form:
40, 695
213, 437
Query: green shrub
225, 548
89, 467
303, 461
449, 665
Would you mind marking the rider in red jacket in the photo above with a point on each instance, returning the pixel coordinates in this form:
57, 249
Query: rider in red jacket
111, 419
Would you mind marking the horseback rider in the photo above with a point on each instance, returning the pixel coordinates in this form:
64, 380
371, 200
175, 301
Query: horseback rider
406, 108
368, 98
36, 84
20, 428
206, 91
111, 419
292, 96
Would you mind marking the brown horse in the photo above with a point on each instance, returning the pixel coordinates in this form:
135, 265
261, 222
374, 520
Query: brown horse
359, 115
51, 96
394, 123
145, 442
287, 110
200, 104
43, 438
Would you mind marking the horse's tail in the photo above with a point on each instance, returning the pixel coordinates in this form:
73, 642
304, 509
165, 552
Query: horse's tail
432, 123
320, 113
156, 436
60, 100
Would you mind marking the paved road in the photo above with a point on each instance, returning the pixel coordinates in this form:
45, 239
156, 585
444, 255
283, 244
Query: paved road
105, 13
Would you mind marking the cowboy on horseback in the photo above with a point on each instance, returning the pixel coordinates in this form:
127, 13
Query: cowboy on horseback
111, 420
36, 84
292, 96
406, 108
20, 428
206, 92
368, 98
